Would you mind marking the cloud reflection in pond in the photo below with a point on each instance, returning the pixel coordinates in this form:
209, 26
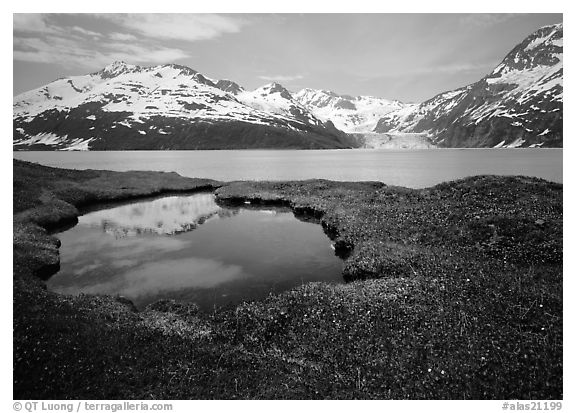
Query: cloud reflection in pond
147, 251
85, 242
158, 278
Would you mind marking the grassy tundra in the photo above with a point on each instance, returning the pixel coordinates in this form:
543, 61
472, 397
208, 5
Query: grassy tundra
454, 292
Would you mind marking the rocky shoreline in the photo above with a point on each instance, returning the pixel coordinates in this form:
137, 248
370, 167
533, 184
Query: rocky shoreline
455, 292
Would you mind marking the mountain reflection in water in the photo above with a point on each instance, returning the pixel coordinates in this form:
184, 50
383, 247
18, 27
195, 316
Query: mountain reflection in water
180, 247
169, 215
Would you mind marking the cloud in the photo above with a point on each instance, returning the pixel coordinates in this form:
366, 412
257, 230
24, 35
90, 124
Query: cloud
35, 23
39, 38
135, 38
450, 69
187, 27
85, 32
31, 22
486, 19
455, 68
281, 78
122, 37
60, 50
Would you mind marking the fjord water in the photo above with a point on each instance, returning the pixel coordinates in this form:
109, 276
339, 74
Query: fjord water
191, 249
410, 168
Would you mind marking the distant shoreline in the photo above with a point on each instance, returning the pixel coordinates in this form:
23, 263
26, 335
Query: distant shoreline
409, 168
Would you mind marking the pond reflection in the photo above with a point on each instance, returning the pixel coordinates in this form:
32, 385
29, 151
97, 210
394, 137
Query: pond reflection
189, 248
154, 277
168, 215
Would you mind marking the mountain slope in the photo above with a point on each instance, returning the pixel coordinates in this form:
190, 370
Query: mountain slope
519, 104
162, 107
277, 99
351, 114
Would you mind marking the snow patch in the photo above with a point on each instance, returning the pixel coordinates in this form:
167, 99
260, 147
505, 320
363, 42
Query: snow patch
517, 143
547, 131
45, 138
79, 144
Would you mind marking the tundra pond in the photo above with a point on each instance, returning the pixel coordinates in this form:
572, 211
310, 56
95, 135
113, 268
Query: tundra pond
191, 249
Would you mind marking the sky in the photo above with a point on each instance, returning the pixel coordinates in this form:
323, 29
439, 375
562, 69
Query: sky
409, 57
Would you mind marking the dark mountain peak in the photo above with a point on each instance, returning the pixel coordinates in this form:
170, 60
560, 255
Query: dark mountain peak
541, 48
546, 30
229, 86
199, 77
275, 88
344, 103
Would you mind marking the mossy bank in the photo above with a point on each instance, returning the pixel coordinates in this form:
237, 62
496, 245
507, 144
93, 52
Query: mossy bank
455, 292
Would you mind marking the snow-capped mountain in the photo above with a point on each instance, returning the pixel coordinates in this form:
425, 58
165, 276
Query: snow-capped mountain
161, 107
519, 104
277, 99
348, 113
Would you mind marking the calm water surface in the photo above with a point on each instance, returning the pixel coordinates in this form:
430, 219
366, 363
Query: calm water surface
415, 169
189, 248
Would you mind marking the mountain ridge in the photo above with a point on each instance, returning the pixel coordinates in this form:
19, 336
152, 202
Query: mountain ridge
171, 106
518, 104
351, 114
